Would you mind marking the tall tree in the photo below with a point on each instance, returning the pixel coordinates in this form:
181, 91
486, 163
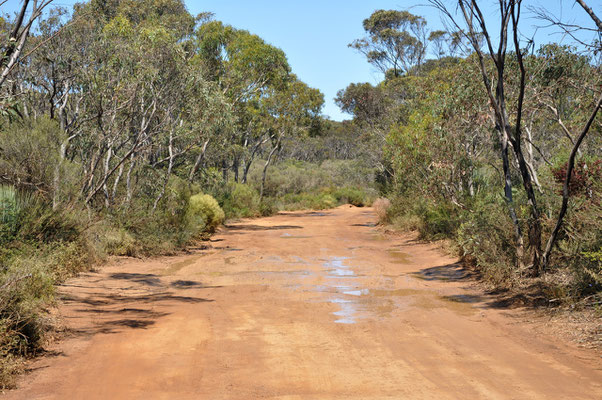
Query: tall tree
396, 41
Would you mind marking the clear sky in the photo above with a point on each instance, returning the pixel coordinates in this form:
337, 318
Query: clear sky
314, 34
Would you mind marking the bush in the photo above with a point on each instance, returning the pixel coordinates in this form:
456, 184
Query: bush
31, 157
381, 207
268, 207
45, 247
580, 244
352, 195
240, 201
296, 177
486, 236
309, 201
136, 229
439, 220
204, 214
118, 242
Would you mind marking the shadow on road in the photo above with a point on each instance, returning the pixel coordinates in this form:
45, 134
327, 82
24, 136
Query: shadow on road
250, 227
529, 297
449, 272
125, 301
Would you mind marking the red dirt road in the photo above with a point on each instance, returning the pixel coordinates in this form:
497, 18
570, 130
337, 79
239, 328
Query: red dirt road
304, 305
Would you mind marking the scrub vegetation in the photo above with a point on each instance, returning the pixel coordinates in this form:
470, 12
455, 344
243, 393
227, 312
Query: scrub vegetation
491, 141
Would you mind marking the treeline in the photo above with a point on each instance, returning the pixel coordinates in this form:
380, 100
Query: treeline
491, 141
131, 127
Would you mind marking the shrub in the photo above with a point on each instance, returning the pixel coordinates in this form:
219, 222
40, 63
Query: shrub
204, 214
309, 201
137, 229
381, 207
486, 236
30, 153
119, 242
439, 220
38, 222
268, 207
351, 195
240, 200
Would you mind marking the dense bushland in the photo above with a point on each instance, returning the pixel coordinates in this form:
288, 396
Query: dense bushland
487, 148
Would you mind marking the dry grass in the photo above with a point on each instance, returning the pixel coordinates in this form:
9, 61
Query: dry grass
381, 207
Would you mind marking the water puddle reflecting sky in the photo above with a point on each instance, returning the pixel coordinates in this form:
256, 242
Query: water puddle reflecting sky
344, 288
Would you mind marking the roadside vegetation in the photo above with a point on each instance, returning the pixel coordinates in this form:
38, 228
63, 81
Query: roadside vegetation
492, 141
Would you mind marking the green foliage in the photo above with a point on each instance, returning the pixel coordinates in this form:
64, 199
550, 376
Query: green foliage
44, 247
352, 195
485, 236
362, 100
39, 223
395, 40
204, 213
580, 247
240, 201
30, 152
440, 220
309, 201
9, 212
268, 206
297, 177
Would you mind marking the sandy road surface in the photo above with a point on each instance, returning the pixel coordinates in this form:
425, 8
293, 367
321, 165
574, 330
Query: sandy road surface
307, 305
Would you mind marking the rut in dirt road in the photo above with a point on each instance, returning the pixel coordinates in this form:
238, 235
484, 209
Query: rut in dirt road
304, 305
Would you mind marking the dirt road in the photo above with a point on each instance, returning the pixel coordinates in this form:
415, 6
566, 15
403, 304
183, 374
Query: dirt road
306, 305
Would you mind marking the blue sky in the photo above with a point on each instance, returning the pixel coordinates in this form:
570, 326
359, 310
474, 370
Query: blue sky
314, 33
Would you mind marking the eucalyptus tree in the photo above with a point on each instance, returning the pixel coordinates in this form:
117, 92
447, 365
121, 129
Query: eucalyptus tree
396, 41
121, 108
367, 103
293, 111
247, 70
14, 35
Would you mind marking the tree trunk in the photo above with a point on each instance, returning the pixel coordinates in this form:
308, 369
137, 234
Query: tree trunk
518, 235
251, 158
128, 181
265, 168
198, 161
168, 173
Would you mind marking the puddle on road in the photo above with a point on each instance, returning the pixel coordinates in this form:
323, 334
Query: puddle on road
346, 313
177, 266
399, 257
357, 292
337, 281
378, 236
289, 236
344, 292
336, 272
